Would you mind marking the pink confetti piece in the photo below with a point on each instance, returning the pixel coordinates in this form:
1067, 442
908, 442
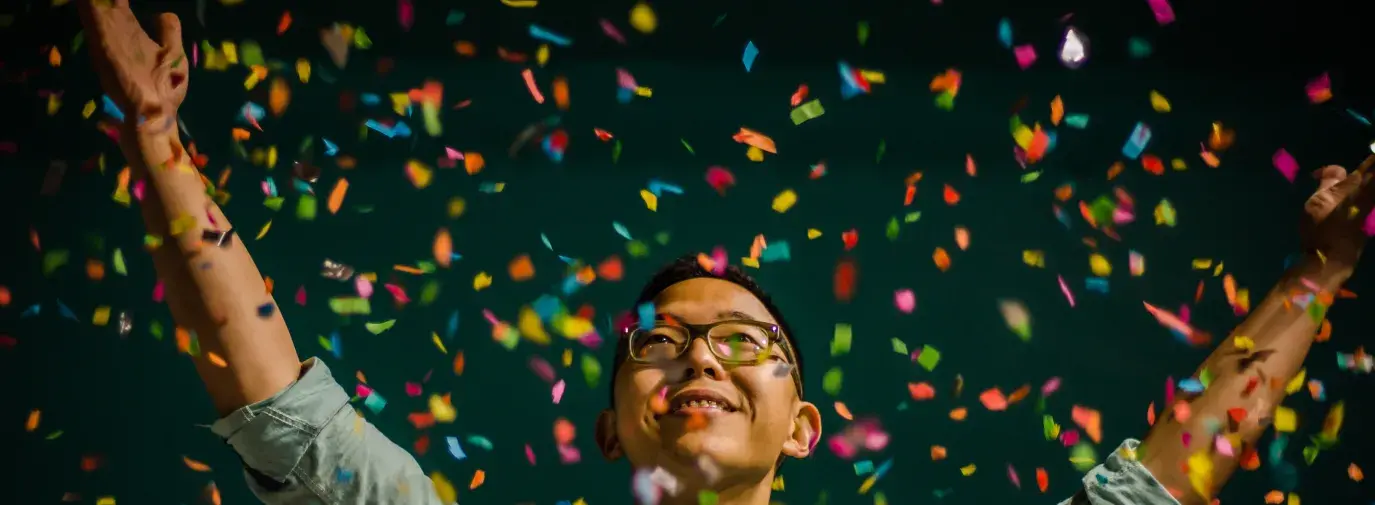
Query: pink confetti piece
362, 390
1069, 437
452, 154
1012, 476
569, 454
1064, 288
542, 369
1052, 385
158, 291
412, 389
720, 178
529, 454
405, 14
1164, 14
535, 93
195, 55
138, 189
1026, 55
398, 293
611, 31
1169, 391
1369, 227
363, 286
1285, 163
301, 296
1319, 89
625, 80
558, 391
1186, 438
905, 300
1224, 447
490, 317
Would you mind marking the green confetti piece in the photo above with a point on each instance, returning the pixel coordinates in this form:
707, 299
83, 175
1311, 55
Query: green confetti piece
687, 146
1083, 457
152, 241
1079, 121
707, 497
591, 370
118, 261
661, 238
510, 336
636, 249
378, 328
306, 208
719, 19
1310, 454
945, 101
1317, 311
863, 33
893, 229
1031, 176
53, 260
831, 382
929, 358
306, 144
899, 346
844, 335
882, 148
1205, 377
251, 54
195, 348
155, 329
325, 343
177, 62
375, 402
350, 305
360, 39
912, 217
480, 441
427, 267
54, 435
78, 40
1139, 47
273, 202
616, 151
429, 293
807, 112
1049, 427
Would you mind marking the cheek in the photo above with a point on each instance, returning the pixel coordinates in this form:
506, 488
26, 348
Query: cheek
771, 396
634, 389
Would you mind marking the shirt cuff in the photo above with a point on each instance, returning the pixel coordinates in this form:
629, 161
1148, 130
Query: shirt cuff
1122, 480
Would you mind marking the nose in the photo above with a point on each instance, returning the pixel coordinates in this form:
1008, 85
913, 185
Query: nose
700, 362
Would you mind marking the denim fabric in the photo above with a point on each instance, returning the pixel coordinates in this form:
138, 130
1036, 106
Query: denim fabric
1121, 480
307, 445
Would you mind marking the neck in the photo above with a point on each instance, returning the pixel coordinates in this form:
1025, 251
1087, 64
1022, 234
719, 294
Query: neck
744, 493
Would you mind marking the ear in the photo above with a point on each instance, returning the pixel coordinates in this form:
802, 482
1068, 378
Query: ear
806, 431
606, 435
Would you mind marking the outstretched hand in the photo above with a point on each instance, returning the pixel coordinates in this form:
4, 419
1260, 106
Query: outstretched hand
147, 79
1338, 220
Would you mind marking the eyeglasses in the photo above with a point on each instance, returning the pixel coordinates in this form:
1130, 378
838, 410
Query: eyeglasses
733, 342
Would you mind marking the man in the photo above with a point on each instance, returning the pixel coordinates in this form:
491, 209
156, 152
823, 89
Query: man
709, 415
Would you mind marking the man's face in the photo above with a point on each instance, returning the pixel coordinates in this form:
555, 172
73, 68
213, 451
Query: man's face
754, 413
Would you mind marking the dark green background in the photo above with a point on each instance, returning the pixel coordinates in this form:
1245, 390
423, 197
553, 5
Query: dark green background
137, 404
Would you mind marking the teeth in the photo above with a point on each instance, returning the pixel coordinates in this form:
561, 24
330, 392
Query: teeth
703, 404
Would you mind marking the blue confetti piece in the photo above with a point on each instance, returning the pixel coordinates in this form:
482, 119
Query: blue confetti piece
545, 238
620, 230
884, 468
455, 449
1063, 217
567, 260
487, 187
1079, 121
539, 33
624, 96
32, 311
250, 113
1051, 138
1191, 385
864, 467
452, 328
1005, 32
330, 148
1358, 117
849, 87
1102, 479
1097, 285
370, 98
455, 18
271, 186
480, 441
776, 251
336, 345
373, 125
266, 310
646, 312
111, 109
571, 285
64, 311
659, 187
375, 402
302, 186
401, 129
546, 307
344, 476
1136, 143
751, 53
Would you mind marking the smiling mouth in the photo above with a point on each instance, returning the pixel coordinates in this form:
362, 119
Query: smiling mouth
697, 404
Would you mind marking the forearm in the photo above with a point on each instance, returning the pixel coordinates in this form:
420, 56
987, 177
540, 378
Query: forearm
1248, 371
214, 291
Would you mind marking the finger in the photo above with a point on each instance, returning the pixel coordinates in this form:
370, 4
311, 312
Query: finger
1329, 176
169, 33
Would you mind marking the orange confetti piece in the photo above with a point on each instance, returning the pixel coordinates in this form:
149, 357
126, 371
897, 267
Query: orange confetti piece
951, 196
969, 167
1150, 414
561, 92
564, 431
443, 248
1324, 332
1274, 497
183, 340
1182, 412
921, 391
195, 465
1210, 159
959, 413
611, 269
756, 139
473, 163
799, 95
1090, 420
993, 400
95, 270
937, 453
268, 284
478, 478
284, 23
278, 96
465, 48
521, 268
941, 258
458, 363
32, 423
1250, 459
911, 194
240, 134
216, 360
212, 493
1042, 479
1115, 170
530, 84
1355, 473
1057, 110
1020, 394
962, 238
336, 195
844, 411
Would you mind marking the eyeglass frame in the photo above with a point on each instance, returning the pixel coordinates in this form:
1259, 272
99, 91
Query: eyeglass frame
696, 331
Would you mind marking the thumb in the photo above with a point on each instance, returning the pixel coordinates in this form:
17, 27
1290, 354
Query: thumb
169, 33
1329, 176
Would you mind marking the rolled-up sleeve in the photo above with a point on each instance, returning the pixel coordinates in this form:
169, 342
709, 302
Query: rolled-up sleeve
307, 445
1122, 480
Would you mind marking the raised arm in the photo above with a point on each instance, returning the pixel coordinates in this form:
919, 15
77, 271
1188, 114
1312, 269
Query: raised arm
1245, 378
213, 288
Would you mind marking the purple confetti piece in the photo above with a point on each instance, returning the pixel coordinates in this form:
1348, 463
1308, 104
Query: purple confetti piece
1285, 163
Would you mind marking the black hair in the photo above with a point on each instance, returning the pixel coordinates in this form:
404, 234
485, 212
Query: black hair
687, 267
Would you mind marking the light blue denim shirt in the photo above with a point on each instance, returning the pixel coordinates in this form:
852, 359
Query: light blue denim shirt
307, 445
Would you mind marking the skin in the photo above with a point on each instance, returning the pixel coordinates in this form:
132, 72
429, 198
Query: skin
744, 445
216, 292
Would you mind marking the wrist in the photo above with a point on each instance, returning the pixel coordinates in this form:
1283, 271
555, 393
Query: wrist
155, 147
1327, 273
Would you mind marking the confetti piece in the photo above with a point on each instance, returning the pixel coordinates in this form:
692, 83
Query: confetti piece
993, 399
642, 18
751, 52
1285, 163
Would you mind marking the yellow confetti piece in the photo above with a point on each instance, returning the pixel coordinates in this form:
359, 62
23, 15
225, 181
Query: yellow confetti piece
651, 201
750, 262
456, 207
1099, 265
784, 200
1294, 499
868, 484
54, 57
813, 233
88, 109
303, 70
263, 232
1218, 269
1159, 103
182, 225
1202, 264
1296, 383
1201, 473
873, 76
777, 483
755, 154
644, 92
1243, 343
567, 358
102, 316
1286, 420
434, 337
481, 281
968, 470
105, 500
642, 18
542, 55
442, 487
1179, 164
442, 409
1034, 258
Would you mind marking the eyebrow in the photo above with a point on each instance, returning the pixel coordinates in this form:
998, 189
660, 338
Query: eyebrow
720, 316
